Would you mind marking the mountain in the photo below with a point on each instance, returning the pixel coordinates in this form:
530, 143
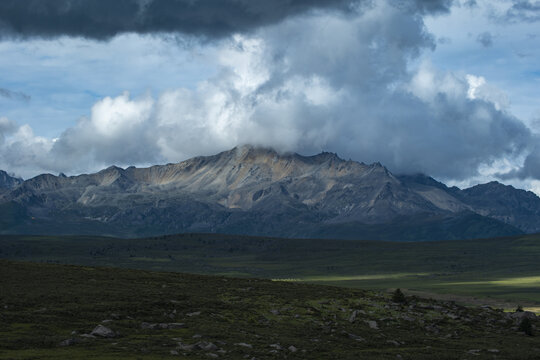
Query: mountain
8, 182
258, 191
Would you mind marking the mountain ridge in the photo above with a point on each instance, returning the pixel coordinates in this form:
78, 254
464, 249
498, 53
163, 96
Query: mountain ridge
258, 191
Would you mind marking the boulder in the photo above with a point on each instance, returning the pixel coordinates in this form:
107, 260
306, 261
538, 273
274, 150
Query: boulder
372, 324
103, 331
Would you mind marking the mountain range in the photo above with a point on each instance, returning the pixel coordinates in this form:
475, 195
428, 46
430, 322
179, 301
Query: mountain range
258, 191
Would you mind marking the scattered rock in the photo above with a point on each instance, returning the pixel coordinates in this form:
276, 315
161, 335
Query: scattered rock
186, 347
174, 352
274, 312
276, 346
372, 324
103, 331
206, 346
196, 313
354, 337
162, 326
408, 318
244, 345
69, 342
520, 315
176, 325
292, 348
353, 316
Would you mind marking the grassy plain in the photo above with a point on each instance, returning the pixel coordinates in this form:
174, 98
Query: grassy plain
501, 271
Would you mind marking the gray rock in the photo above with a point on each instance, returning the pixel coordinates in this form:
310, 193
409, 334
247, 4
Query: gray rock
292, 349
186, 347
162, 326
206, 346
352, 318
244, 345
354, 337
372, 324
103, 331
408, 318
69, 342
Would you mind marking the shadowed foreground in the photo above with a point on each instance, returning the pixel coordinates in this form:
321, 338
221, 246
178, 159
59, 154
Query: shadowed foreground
53, 311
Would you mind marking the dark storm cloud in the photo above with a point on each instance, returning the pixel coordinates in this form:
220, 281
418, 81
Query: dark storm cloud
529, 170
14, 95
485, 38
523, 11
103, 19
427, 6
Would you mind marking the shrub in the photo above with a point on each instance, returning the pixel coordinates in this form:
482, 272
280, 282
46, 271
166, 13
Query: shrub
519, 308
526, 326
398, 296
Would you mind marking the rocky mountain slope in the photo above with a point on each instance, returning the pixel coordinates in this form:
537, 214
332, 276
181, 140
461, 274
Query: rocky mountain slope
8, 182
261, 192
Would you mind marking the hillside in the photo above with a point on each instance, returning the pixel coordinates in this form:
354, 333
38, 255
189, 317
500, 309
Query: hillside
257, 191
52, 311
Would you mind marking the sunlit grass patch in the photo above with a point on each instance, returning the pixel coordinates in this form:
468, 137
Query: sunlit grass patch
363, 277
517, 282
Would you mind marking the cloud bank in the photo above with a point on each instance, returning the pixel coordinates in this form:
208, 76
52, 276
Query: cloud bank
523, 11
350, 82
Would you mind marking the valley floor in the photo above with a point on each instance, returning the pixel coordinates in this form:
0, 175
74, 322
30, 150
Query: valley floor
501, 272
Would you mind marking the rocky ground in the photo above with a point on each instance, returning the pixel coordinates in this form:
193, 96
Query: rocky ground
52, 311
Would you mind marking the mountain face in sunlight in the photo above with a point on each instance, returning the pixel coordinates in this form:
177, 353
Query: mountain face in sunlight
259, 191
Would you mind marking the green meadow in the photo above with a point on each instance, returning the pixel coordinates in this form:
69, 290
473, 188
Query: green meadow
499, 271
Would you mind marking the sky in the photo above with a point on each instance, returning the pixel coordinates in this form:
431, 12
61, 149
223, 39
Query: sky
446, 88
